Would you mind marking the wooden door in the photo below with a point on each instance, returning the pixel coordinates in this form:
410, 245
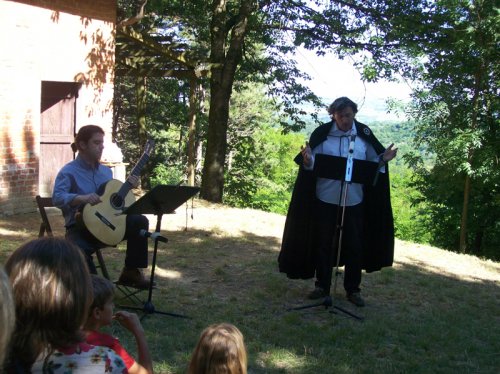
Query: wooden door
57, 130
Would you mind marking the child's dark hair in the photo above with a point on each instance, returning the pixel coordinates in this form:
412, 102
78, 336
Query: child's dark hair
84, 135
340, 104
104, 290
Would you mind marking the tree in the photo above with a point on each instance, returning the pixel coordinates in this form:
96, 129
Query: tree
260, 170
228, 33
457, 108
167, 110
234, 34
253, 39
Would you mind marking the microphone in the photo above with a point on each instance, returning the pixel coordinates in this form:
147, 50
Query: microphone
350, 160
351, 143
153, 235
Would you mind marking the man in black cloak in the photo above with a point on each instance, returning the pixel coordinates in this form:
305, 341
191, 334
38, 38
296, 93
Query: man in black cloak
308, 247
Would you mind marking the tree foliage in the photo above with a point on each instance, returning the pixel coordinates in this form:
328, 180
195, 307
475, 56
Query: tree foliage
166, 100
449, 48
456, 109
251, 40
260, 169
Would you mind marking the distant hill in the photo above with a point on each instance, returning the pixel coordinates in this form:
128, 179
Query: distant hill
387, 128
370, 112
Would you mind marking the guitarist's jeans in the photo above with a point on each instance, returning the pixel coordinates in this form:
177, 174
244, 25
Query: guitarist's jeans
137, 246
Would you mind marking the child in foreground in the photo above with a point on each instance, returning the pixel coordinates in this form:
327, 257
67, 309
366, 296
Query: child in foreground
101, 314
220, 350
52, 292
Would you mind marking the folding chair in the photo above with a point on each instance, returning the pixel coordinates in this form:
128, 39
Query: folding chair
127, 292
46, 202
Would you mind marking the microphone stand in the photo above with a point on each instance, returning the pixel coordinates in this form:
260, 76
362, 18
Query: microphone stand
328, 301
340, 230
148, 307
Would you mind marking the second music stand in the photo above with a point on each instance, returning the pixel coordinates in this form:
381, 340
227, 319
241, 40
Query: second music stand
162, 199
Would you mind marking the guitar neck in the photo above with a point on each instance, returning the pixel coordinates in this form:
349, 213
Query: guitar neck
140, 164
136, 171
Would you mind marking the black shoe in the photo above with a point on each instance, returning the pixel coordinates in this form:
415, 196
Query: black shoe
317, 293
355, 298
133, 278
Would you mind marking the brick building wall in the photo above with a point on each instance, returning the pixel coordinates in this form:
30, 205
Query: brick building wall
57, 40
104, 10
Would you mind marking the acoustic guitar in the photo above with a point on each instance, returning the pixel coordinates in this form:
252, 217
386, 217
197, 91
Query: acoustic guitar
105, 220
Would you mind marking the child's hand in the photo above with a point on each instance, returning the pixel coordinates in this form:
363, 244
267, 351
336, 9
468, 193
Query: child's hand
130, 321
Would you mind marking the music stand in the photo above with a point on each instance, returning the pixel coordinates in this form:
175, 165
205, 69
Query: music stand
347, 170
162, 199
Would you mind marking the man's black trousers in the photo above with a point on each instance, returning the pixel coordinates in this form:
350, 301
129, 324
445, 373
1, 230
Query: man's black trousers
137, 246
326, 216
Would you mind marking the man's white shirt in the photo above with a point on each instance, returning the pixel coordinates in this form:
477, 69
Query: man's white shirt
337, 144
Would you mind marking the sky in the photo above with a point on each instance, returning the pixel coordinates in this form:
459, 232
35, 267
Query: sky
332, 78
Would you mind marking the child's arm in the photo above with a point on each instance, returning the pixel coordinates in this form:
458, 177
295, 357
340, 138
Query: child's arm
130, 321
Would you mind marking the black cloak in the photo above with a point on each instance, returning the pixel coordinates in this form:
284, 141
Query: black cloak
296, 257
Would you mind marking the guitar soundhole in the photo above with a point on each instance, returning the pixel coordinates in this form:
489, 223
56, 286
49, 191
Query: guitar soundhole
117, 201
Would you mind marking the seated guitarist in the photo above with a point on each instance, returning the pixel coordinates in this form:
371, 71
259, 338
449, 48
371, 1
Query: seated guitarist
77, 184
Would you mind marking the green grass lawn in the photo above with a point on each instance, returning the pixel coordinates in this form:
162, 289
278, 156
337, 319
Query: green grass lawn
432, 312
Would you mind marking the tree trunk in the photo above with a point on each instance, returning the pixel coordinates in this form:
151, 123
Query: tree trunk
463, 223
478, 241
140, 94
199, 144
213, 168
191, 149
224, 59
478, 83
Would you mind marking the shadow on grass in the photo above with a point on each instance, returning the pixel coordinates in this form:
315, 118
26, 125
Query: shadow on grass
418, 319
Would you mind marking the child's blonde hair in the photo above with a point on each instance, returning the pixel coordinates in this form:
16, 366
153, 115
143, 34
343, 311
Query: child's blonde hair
220, 350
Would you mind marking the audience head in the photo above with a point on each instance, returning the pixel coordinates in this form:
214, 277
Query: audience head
101, 309
84, 135
7, 315
220, 350
52, 294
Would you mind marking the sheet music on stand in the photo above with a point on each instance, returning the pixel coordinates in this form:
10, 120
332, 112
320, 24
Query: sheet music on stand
333, 167
162, 199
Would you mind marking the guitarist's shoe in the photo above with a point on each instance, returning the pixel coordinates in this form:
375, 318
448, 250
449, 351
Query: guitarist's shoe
133, 277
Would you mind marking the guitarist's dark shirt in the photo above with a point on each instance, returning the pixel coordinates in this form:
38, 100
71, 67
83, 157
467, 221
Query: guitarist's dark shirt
77, 178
